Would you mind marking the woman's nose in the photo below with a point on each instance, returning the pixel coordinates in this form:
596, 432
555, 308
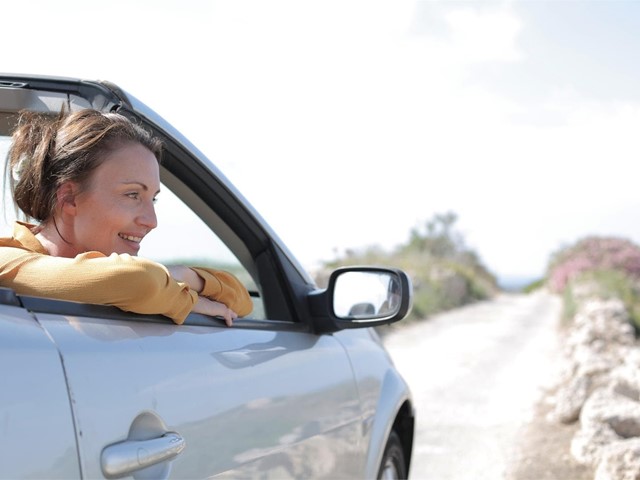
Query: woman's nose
148, 218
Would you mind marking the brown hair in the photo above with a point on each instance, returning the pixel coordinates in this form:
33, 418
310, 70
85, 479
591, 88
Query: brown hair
46, 153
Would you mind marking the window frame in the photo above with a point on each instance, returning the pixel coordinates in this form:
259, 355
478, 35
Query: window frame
283, 285
107, 312
226, 214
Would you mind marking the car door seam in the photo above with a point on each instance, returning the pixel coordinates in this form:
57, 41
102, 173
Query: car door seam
74, 418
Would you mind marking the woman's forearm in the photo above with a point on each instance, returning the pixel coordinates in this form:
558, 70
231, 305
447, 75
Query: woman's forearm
186, 275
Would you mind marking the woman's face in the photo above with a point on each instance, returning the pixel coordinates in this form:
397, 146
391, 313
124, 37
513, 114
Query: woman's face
116, 208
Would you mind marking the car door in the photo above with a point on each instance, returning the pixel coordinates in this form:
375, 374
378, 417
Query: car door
273, 402
37, 438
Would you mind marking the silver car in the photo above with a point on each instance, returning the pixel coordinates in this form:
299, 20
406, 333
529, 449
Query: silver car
302, 388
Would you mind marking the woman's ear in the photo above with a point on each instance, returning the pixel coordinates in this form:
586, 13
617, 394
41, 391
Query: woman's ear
66, 197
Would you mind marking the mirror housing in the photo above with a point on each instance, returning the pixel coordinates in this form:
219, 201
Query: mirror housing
360, 297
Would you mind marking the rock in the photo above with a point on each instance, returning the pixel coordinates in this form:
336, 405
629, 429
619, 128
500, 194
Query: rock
570, 399
626, 377
595, 347
619, 412
600, 387
620, 461
587, 444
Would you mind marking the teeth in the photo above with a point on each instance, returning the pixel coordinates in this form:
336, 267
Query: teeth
130, 238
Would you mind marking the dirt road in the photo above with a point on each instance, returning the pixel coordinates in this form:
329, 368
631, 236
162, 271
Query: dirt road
476, 374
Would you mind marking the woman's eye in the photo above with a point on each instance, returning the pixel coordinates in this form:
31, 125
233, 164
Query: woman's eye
134, 195
155, 199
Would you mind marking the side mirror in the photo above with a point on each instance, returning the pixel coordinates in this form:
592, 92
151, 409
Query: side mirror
359, 297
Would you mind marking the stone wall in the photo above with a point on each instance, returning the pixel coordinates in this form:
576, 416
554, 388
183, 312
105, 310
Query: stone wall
600, 388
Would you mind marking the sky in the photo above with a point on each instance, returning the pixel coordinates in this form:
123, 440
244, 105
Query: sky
349, 123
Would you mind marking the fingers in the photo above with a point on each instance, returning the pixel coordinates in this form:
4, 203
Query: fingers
225, 312
229, 316
215, 309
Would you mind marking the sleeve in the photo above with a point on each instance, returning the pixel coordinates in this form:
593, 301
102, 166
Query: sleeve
130, 283
225, 288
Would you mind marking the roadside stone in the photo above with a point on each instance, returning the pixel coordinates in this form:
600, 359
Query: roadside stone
593, 348
570, 399
620, 461
601, 389
587, 444
626, 379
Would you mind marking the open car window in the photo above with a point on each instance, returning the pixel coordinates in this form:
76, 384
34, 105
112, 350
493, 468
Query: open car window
202, 220
182, 237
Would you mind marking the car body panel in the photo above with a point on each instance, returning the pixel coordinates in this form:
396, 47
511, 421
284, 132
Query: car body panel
221, 389
37, 438
382, 390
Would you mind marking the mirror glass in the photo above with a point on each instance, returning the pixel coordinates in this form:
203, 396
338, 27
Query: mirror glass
366, 295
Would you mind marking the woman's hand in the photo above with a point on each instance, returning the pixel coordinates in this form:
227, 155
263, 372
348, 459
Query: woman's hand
215, 309
203, 305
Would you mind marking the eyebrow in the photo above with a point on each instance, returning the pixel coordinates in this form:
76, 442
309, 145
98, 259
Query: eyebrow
135, 182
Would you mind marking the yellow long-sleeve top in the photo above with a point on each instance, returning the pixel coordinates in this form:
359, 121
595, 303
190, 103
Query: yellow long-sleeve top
130, 283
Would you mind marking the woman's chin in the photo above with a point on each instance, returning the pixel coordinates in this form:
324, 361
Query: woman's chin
127, 247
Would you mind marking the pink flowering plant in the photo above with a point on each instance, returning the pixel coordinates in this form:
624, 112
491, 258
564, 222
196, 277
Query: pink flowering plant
593, 254
609, 265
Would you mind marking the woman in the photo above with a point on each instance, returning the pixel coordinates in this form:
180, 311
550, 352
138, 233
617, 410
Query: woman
90, 180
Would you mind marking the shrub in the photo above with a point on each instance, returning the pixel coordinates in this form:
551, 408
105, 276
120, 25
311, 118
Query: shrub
535, 285
445, 273
608, 284
593, 254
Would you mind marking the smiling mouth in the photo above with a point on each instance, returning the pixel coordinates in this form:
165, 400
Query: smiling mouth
130, 238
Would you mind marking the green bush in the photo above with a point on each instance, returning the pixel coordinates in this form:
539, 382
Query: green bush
569, 305
535, 285
603, 284
445, 273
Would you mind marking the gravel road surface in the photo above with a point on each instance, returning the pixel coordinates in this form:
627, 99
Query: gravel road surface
476, 374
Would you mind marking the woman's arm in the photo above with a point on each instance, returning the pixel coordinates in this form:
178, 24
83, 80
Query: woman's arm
216, 285
131, 283
186, 275
203, 305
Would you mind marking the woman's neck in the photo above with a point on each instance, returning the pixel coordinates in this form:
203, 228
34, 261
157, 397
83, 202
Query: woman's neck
53, 242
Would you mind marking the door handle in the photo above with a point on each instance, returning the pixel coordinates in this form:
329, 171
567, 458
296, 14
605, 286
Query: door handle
126, 457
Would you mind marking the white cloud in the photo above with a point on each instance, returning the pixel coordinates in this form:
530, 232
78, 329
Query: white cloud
481, 36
